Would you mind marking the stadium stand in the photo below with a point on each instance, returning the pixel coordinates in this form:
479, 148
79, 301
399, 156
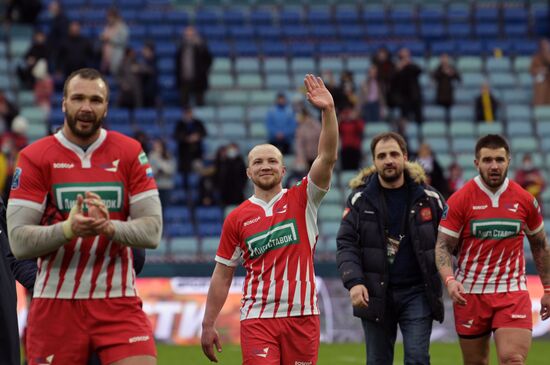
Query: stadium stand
262, 47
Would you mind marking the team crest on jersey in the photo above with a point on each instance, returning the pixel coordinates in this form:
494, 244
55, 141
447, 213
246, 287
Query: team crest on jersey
496, 229
143, 158
112, 194
280, 235
16, 180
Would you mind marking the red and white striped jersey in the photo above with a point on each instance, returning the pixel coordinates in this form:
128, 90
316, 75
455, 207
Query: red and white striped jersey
491, 228
50, 174
276, 242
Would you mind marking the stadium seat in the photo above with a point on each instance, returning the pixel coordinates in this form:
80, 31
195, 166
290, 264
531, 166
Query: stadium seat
258, 130
462, 129
436, 128
438, 144
523, 144
235, 131
303, 65
235, 97
518, 112
247, 65
489, 128
183, 246
522, 63
542, 113
209, 246
235, 113
519, 127
330, 212
262, 97
278, 82
334, 64
276, 65
462, 112
469, 64
249, 81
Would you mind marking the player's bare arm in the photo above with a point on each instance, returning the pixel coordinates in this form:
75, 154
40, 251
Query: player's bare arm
217, 295
327, 153
541, 256
444, 247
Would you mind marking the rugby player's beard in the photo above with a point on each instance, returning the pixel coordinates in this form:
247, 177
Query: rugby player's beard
267, 185
88, 117
391, 178
489, 183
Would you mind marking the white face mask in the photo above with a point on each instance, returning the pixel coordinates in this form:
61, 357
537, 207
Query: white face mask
232, 153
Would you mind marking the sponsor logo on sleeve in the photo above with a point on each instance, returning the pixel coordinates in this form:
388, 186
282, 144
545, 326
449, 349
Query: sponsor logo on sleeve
445, 212
149, 172
16, 180
143, 158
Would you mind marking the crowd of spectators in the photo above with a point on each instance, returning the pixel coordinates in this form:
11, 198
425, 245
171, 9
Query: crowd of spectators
389, 91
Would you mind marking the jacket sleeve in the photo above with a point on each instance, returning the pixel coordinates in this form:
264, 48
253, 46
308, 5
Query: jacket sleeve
24, 271
139, 259
348, 241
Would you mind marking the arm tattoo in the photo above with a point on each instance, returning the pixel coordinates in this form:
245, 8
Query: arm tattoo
444, 247
541, 255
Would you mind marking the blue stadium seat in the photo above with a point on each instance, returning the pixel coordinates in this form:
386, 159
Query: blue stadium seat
378, 30
440, 47
261, 17
519, 127
275, 49
234, 17
241, 33
178, 18
487, 30
351, 31
290, 16
514, 15
488, 14
432, 31
430, 15
516, 30
220, 49
292, 32
459, 30
330, 48
319, 16
244, 48
468, 47
323, 31
402, 15
305, 49
404, 30
358, 48
179, 230
346, 16
209, 229
269, 32
518, 112
207, 17
177, 213
374, 16
152, 17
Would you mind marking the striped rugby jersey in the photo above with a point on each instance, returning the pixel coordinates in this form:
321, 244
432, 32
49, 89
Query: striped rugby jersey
491, 228
275, 241
50, 174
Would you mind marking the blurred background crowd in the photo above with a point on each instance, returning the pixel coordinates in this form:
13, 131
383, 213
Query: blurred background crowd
199, 82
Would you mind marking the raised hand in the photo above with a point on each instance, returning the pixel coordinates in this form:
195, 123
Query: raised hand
317, 93
98, 211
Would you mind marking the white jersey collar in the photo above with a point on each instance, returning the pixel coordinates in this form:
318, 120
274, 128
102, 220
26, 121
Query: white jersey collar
85, 156
268, 207
493, 196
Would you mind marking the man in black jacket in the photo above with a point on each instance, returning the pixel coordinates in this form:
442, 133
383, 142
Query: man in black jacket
9, 334
386, 253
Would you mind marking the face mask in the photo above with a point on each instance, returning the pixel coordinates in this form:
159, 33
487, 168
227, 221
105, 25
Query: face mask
231, 153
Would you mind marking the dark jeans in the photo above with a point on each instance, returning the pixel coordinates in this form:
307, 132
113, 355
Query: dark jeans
408, 308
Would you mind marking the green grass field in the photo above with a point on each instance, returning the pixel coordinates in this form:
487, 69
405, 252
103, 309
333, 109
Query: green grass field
336, 354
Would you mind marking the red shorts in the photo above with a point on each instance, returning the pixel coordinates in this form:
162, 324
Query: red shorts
275, 341
65, 331
484, 313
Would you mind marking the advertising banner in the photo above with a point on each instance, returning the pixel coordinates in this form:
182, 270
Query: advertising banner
176, 307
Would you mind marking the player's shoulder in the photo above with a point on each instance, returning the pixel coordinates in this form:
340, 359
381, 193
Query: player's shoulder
518, 191
40, 148
127, 145
122, 139
240, 211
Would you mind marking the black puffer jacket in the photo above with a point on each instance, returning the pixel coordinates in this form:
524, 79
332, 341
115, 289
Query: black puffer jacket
361, 254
